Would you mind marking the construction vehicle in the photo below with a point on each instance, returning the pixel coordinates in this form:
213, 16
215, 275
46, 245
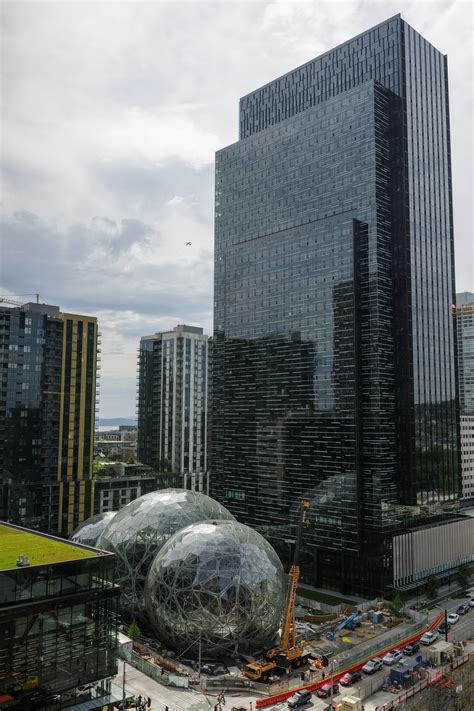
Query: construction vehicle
349, 623
288, 654
260, 669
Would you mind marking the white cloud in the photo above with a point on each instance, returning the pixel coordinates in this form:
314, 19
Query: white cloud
111, 115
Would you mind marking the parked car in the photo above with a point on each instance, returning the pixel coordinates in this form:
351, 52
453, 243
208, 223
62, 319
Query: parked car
350, 678
324, 691
452, 618
463, 608
471, 602
411, 649
299, 699
443, 626
372, 666
392, 657
429, 637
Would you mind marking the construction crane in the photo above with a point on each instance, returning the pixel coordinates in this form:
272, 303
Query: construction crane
288, 654
8, 300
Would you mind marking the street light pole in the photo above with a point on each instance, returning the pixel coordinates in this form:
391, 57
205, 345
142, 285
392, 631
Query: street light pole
199, 663
124, 696
331, 669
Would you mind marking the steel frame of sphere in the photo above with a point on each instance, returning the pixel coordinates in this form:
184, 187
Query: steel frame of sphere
218, 586
140, 529
88, 533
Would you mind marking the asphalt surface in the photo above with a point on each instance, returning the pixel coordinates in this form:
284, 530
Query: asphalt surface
188, 700
463, 629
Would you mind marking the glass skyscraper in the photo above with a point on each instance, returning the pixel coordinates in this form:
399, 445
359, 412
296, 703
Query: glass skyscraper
334, 345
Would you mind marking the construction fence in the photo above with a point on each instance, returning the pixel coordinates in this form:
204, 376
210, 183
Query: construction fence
430, 680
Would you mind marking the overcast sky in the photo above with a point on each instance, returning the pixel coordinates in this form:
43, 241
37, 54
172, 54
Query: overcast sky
111, 114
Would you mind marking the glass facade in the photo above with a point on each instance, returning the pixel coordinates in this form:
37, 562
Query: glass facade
47, 414
138, 531
333, 353
216, 587
58, 629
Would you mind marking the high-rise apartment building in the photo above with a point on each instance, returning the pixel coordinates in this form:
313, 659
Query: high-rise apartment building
464, 314
172, 403
334, 373
47, 414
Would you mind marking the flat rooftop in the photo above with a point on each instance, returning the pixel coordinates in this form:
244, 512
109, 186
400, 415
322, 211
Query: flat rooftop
40, 549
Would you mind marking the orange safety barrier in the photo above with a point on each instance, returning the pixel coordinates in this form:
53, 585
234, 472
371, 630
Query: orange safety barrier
269, 700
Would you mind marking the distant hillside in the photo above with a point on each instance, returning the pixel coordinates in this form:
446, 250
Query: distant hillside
116, 421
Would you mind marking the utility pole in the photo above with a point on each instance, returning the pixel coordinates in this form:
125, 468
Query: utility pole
332, 679
124, 694
199, 662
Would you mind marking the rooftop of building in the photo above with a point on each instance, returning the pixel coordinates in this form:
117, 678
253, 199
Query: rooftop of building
178, 330
464, 297
322, 55
39, 548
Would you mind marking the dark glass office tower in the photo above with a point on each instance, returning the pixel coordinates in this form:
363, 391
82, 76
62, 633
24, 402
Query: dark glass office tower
334, 353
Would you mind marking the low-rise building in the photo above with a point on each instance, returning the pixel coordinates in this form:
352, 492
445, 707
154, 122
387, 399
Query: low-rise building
118, 444
58, 622
433, 551
121, 483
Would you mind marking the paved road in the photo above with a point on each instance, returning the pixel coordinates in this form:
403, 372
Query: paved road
190, 700
464, 628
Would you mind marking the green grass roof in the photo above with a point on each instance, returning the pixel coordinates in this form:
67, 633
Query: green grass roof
39, 549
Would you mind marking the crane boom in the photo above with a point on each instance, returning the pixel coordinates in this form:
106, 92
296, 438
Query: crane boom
287, 654
8, 300
288, 635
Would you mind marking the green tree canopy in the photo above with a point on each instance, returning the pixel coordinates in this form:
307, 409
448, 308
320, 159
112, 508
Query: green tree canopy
134, 632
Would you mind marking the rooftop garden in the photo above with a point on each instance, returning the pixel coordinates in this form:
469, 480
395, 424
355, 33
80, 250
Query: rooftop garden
38, 549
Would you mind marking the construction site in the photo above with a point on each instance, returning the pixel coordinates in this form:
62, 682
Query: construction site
315, 650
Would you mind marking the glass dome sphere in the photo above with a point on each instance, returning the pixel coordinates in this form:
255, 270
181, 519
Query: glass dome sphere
219, 582
141, 528
89, 530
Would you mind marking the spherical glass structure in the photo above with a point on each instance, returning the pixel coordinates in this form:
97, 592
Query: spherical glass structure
218, 582
142, 527
89, 531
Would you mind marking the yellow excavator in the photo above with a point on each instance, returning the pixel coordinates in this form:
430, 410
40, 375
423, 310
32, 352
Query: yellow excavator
288, 654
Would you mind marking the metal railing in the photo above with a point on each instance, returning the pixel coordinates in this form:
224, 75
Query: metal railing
424, 683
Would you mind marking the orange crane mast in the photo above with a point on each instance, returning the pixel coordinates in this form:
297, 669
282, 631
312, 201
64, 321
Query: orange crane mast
288, 654
288, 644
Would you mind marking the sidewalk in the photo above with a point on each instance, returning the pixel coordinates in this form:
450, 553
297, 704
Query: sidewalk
444, 591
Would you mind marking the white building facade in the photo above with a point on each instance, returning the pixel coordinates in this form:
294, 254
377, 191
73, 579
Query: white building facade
467, 456
465, 331
173, 403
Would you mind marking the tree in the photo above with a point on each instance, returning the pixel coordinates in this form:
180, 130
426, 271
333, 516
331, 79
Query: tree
431, 587
463, 575
131, 460
134, 632
397, 605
